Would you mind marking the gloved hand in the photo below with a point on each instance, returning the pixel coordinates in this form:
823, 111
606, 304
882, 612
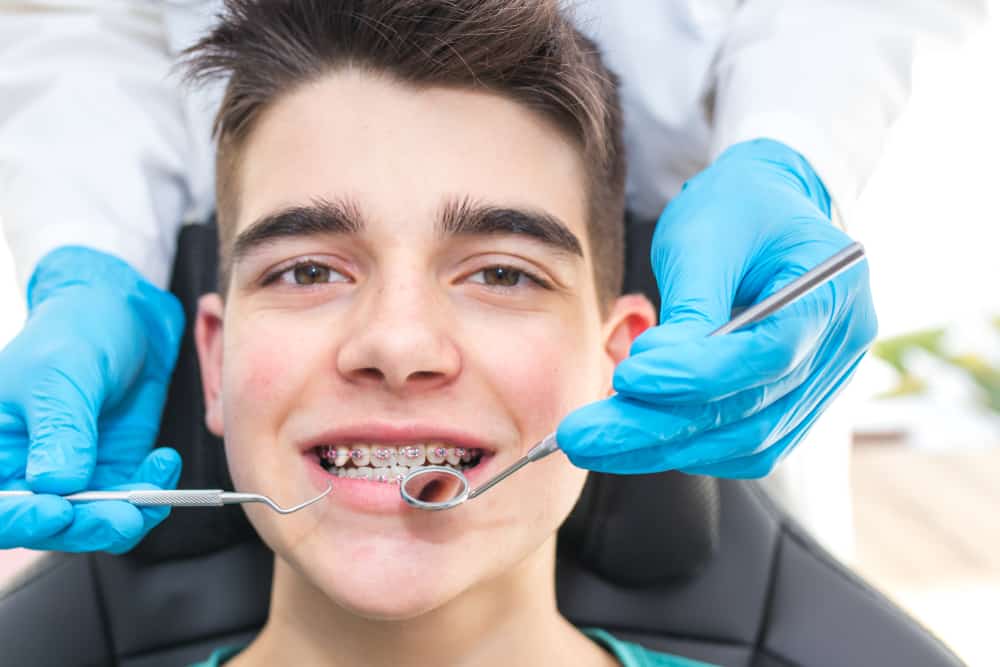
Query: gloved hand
732, 405
82, 387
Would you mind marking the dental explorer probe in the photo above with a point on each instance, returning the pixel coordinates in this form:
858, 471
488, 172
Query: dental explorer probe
450, 486
177, 498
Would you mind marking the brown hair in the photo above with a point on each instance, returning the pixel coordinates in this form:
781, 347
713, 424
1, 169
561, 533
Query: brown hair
526, 50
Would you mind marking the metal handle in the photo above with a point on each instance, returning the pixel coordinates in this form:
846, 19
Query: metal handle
181, 498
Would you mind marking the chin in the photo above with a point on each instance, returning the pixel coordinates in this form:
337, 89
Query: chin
404, 607
380, 591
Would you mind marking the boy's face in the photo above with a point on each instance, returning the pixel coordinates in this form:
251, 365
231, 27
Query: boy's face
399, 307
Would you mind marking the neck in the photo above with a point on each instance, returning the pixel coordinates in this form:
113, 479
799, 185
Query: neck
512, 619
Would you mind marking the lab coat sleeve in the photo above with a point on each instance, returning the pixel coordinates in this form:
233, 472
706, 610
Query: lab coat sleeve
826, 78
94, 145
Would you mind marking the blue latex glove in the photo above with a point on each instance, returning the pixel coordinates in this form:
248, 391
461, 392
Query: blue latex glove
82, 387
731, 406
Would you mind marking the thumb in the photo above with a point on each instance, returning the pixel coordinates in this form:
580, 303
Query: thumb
161, 468
62, 428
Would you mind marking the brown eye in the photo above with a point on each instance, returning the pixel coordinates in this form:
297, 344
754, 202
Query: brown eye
310, 274
501, 276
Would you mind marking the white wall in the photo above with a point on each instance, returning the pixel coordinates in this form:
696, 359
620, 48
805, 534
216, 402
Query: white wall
929, 217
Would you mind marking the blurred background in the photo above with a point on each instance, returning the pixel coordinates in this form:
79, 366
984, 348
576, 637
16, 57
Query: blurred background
925, 404
926, 456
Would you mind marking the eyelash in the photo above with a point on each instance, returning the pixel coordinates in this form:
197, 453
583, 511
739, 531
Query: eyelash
537, 280
278, 273
533, 277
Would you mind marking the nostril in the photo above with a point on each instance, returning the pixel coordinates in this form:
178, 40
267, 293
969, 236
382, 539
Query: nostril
369, 374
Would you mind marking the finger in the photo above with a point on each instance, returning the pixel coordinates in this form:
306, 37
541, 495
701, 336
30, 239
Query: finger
619, 425
160, 470
754, 466
128, 432
665, 368
625, 436
622, 436
694, 292
773, 352
13, 446
61, 420
752, 447
25, 522
762, 463
107, 525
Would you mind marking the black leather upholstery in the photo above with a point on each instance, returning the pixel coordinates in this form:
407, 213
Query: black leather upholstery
769, 597
704, 568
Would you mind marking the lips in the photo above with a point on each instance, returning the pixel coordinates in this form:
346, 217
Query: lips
364, 493
395, 434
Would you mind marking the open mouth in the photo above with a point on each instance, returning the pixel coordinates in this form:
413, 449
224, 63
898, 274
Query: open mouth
390, 464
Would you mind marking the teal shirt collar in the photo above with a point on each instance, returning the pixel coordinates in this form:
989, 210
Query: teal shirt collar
627, 653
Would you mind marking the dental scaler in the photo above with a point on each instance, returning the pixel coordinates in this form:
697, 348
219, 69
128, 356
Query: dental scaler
178, 498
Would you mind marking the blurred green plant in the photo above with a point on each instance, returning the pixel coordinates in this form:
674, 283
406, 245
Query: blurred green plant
897, 351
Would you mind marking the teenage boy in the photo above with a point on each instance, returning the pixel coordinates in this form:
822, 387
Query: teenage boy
420, 208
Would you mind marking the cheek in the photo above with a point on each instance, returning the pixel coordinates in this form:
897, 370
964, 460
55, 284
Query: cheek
260, 359
265, 362
553, 486
261, 385
543, 372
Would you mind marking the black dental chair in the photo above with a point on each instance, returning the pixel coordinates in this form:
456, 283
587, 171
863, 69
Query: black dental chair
706, 568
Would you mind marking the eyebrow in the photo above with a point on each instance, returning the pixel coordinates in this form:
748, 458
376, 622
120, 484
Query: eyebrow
459, 217
465, 217
321, 216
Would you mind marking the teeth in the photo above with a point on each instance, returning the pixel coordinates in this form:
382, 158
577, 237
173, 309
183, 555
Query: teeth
364, 473
361, 455
392, 462
436, 454
382, 456
412, 455
343, 454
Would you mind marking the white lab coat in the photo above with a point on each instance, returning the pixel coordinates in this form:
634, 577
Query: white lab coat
99, 147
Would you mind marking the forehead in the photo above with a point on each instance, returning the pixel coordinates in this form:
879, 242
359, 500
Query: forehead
399, 151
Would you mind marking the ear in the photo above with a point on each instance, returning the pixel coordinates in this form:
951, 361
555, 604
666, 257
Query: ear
630, 316
208, 340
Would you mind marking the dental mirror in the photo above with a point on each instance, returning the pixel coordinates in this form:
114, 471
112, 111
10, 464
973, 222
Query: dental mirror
436, 488
441, 488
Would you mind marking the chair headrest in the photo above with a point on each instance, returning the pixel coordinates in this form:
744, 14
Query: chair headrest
635, 530
644, 530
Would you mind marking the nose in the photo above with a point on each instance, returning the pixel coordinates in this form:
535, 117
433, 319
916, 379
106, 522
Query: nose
401, 341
